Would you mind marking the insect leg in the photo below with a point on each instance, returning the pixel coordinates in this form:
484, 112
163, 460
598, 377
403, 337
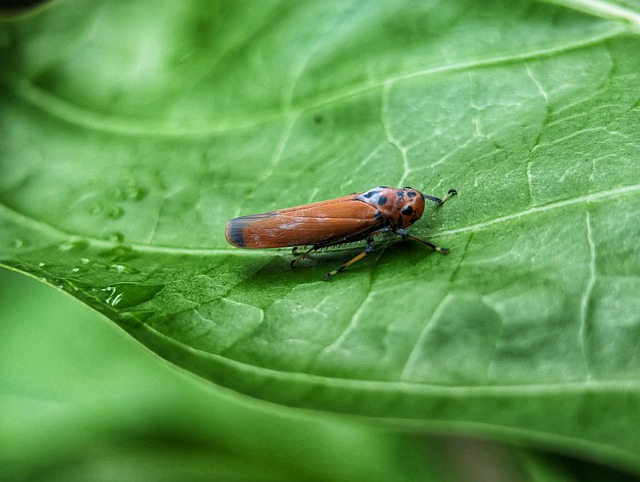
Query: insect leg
301, 256
437, 200
405, 234
367, 250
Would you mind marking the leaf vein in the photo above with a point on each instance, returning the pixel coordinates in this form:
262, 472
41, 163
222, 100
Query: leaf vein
586, 297
587, 198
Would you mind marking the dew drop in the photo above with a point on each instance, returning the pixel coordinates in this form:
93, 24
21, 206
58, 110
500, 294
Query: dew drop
72, 285
20, 243
124, 295
85, 261
95, 209
112, 295
119, 254
115, 212
73, 245
116, 237
116, 193
41, 264
136, 193
122, 269
128, 192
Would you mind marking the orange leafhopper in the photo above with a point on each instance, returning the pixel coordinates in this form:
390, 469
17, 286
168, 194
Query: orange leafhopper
338, 221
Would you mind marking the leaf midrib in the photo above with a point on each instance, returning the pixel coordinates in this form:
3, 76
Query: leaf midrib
58, 235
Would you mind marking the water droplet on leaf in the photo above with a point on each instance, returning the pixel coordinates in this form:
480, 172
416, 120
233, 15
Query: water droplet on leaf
119, 254
116, 237
115, 212
124, 295
122, 269
73, 245
20, 243
136, 193
95, 209
128, 192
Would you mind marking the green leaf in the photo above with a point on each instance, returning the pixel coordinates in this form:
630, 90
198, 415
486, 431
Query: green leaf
130, 138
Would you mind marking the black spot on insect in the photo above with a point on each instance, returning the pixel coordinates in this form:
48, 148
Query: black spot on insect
411, 194
382, 200
368, 194
407, 211
378, 216
400, 193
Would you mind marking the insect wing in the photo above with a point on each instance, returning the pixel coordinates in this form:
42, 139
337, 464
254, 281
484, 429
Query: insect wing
318, 223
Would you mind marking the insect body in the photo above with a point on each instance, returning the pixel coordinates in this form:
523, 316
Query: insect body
337, 221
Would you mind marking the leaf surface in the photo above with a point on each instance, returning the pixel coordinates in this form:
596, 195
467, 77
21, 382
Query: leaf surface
130, 139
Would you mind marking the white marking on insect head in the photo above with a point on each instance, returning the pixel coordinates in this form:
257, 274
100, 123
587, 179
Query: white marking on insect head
372, 196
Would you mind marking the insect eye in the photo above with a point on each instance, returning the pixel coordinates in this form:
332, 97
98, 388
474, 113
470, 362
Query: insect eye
407, 211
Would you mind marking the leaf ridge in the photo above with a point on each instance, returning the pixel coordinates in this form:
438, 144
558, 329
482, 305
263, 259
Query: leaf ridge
64, 110
588, 198
584, 330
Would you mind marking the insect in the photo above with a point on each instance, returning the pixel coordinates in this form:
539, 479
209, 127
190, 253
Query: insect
337, 221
